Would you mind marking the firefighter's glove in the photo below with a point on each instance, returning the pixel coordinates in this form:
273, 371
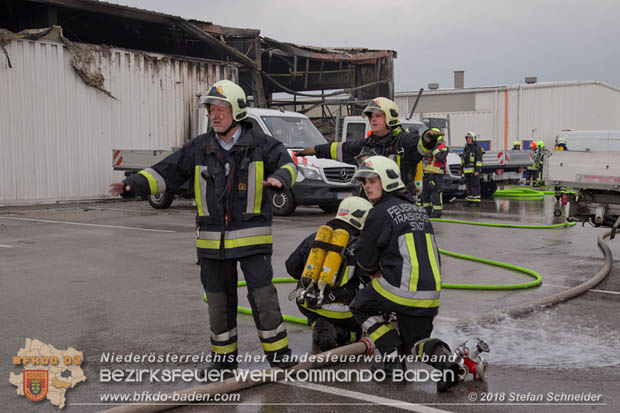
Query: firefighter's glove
429, 139
306, 152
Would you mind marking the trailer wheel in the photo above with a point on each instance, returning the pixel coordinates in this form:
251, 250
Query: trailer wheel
161, 201
283, 203
557, 213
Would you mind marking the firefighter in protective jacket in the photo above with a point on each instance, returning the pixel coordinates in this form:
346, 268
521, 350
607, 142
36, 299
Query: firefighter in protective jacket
398, 247
231, 167
387, 138
471, 164
432, 181
332, 323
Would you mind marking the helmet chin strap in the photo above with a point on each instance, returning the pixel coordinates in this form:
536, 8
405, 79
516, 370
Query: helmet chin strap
232, 125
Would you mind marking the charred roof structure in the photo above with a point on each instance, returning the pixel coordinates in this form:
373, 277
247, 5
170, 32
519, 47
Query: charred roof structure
267, 66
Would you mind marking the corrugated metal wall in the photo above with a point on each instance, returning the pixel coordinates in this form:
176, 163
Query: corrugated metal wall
57, 133
538, 111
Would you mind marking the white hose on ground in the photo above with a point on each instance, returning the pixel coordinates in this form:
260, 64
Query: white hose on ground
532, 306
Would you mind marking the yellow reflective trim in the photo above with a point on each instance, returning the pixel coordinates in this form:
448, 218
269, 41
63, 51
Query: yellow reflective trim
408, 302
328, 313
235, 243
246, 241
280, 344
197, 191
345, 276
258, 181
153, 187
292, 171
378, 333
333, 151
433, 259
413, 259
208, 244
224, 349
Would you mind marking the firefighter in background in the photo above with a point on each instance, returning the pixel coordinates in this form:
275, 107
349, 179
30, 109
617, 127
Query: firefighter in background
516, 146
386, 137
332, 323
531, 174
539, 161
471, 164
432, 182
560, 144
230, 166
397, 246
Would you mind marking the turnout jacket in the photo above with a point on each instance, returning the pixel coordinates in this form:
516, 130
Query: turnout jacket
233, 209
471, 160
404, 148
398, 241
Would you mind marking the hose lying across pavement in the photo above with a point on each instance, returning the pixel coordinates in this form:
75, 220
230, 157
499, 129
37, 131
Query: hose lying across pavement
534, 283
531, 306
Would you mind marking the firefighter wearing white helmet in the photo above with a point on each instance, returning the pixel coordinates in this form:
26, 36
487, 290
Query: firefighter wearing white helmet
397, 246
387, 138
471, 166
229, 166
332, 322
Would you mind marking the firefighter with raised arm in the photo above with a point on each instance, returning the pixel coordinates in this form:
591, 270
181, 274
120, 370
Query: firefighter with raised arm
231, 166
471, 164
397, 246
327, 310
432, 182
386, 138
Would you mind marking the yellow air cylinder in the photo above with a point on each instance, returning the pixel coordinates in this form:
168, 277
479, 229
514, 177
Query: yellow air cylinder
329, 271
315, 259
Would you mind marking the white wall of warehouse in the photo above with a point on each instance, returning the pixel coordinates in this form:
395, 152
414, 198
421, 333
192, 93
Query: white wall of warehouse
546, 107
57, 133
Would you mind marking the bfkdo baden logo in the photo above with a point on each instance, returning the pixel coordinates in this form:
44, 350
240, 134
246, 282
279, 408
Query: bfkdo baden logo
35, 384
47, 372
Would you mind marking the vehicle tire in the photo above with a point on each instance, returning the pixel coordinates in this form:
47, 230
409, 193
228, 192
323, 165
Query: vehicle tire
487, 189
283, 203
330, 208
161, 201
557, 213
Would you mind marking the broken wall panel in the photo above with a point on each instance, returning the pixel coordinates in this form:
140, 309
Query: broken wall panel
57, 133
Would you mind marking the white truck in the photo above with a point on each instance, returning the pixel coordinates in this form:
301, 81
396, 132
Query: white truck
592, 140
594, 176
321, 182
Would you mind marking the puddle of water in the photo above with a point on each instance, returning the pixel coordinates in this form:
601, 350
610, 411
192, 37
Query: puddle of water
540, 342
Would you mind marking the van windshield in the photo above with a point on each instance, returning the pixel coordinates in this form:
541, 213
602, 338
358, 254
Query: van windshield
294, 132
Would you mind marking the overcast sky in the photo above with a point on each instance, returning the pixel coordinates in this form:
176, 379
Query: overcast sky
496, 42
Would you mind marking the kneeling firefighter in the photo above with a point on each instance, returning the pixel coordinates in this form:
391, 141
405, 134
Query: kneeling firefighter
398, 246
328, 287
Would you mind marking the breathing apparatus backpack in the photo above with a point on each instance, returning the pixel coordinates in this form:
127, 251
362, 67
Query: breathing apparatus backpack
321, 272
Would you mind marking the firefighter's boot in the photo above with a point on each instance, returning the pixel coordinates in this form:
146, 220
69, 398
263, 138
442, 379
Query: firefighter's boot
436, 353
389, 363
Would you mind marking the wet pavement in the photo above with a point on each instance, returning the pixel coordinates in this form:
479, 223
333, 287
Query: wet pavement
121, 277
